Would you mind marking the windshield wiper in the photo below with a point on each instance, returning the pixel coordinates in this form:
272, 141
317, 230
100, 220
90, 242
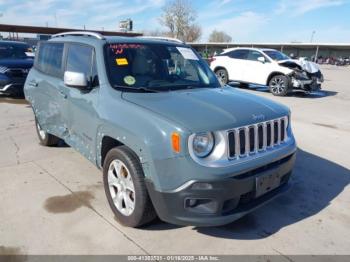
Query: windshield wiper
189, 86
140, 88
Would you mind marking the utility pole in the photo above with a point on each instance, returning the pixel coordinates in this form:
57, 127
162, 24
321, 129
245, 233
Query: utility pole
1, 16
312, 36
55, 16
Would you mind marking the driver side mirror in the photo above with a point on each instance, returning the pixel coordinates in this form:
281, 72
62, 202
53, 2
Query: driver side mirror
261, 59
75, 79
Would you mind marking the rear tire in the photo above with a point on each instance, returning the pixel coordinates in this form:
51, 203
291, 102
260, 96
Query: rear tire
222, 75
125, 188
45, 138
279, 85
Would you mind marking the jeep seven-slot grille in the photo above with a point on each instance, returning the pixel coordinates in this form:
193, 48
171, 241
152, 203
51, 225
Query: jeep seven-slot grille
257, 137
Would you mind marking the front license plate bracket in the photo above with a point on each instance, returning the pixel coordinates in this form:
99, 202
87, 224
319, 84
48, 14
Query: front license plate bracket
266, 183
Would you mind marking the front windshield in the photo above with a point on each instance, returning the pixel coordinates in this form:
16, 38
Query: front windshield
157, 66
14, 51
276, 55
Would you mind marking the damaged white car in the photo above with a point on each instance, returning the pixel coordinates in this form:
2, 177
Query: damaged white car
267, 67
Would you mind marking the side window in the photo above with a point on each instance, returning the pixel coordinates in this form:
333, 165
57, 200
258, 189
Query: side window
81, 58
49, 58
254, 55
239, 54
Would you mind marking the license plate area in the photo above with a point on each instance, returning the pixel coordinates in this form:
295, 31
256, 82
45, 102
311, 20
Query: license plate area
266, 183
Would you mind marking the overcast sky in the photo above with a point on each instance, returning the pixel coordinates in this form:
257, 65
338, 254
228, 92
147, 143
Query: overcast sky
244, 20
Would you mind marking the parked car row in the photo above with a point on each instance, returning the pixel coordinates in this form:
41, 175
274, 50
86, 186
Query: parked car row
338, 61
16, 59
267, 67
171, 141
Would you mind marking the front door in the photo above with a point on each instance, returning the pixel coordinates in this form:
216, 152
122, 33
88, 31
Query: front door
257, 71
83, 103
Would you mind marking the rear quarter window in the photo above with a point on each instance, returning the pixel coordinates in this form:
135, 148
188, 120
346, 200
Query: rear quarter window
49, 59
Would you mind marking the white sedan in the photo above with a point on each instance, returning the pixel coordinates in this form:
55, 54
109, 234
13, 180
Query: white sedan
267, 67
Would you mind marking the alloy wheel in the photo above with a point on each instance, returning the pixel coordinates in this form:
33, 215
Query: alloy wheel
121, 187
278, 85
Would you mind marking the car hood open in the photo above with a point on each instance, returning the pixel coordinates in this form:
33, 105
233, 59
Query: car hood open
209, 109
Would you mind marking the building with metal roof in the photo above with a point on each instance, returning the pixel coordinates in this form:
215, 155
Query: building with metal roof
298, 49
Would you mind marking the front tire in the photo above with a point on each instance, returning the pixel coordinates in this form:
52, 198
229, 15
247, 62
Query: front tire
279, 85
45, 138
222, 75
125, 188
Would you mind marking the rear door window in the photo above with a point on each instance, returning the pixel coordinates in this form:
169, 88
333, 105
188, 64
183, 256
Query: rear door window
239, 54
50, 58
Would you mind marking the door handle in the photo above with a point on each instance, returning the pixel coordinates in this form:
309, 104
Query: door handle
63, 94
33, 83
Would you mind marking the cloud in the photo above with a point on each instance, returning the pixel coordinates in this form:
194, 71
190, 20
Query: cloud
66, 13
240, 27
224, 2
300, 7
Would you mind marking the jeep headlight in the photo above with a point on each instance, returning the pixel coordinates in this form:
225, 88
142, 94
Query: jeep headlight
203, 144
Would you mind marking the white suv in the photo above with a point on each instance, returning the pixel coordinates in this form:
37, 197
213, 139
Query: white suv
266, 67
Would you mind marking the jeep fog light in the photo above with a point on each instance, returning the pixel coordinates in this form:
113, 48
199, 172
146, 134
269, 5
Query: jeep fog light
203, 144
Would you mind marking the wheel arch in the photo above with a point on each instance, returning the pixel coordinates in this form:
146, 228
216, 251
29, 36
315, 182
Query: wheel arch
107, 144
220, 67
224, 68
275, 73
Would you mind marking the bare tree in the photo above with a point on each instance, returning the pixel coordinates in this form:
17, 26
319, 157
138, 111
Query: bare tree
219, 37
193, 33
179, 17
155, 32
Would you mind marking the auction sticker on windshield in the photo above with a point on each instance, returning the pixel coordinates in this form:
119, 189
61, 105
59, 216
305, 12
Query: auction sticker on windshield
122, 61
187, 53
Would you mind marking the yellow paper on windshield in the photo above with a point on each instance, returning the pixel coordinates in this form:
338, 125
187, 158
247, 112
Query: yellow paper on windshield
121, 61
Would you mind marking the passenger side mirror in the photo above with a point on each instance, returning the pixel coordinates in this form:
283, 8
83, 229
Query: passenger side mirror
261, 59
75, 79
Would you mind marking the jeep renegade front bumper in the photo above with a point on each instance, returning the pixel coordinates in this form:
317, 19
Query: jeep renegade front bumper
221, 201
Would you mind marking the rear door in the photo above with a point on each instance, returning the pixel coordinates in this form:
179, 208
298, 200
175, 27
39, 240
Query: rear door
43, 88
83, 104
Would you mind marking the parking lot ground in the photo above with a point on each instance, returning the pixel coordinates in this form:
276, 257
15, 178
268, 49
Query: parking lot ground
52, 199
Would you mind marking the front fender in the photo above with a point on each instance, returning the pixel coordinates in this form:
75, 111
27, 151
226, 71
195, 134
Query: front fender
143, 131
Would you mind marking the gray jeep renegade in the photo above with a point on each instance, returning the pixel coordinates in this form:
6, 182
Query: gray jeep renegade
152, 115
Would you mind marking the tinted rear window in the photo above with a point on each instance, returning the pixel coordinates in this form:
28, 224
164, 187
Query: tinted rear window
50, 57
239, 54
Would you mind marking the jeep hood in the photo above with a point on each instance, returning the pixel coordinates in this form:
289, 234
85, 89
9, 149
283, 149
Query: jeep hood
208, 109
307, 66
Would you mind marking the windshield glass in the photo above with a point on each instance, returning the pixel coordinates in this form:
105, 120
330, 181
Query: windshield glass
14, 51
276, 55
157, 67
